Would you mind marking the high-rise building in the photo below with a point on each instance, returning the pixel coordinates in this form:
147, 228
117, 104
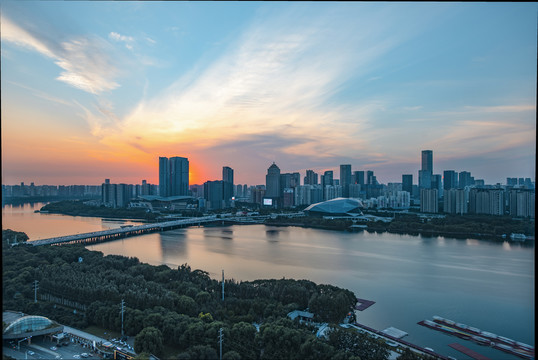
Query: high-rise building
272, 182
238, 191
370, 177
227, 174
332, 191
355, 190
164, 177
179, 176
108, 194
407, 183
511, 181
345, 179
429, 200
425, 174
214, 194
311, 178
454, 201
358, 177
173, 176
486, 201
450, 179
287, 198
427, 160
328, 178
465, 179
424, 179
295, 179
522, 203
228, 183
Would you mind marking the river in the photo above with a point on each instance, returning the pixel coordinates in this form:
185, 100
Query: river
411, 278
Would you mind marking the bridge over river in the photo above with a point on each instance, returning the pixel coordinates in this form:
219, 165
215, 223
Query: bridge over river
126, 231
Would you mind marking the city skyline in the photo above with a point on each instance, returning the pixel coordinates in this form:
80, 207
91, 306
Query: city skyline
102, 90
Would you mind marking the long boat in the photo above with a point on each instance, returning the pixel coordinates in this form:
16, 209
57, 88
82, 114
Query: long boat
478, 336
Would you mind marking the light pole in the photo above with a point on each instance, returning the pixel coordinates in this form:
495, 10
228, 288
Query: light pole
122, 310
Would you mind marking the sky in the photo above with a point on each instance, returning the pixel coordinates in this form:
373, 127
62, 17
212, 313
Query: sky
95, 90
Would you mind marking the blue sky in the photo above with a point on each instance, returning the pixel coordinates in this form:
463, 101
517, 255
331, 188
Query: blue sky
94, 90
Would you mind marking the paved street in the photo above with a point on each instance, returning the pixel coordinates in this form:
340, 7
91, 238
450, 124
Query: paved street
41, 349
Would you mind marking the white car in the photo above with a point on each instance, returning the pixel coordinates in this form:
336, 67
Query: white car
76, 356
30, 352
54, 348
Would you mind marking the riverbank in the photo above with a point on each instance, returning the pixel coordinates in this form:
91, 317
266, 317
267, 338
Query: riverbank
491, 228
78, 208
484, 227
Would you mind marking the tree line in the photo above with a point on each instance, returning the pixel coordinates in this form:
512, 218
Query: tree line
458, 226
78, 208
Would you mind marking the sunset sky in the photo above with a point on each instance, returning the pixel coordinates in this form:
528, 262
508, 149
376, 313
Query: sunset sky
95, 90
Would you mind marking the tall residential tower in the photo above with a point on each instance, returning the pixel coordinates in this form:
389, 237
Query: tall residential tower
173, 176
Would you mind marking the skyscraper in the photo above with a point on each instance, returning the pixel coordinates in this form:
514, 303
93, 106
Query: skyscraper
272, 182
429, 200
370, 177
425, 174
228, 183
465, 179
327, 178
358, 177
164, 177
295, 179
227, 174
214, 195
427, 160
311, 178
450, 179
345, 179
407, 183
173, 176
179, 176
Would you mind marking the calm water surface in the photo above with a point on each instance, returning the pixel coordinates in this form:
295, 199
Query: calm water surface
411, 278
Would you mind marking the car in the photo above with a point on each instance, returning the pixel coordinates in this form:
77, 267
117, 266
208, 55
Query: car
54, 348
84, 355
76, 356
30, 352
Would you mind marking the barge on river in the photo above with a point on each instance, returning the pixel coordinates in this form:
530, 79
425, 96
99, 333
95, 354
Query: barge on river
480, 337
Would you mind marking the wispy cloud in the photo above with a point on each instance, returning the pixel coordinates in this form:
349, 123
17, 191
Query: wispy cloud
86, 61
501, 108
279, 77
128, 40
42, 94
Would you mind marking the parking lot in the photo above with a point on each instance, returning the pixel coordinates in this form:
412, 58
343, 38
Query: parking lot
42, 348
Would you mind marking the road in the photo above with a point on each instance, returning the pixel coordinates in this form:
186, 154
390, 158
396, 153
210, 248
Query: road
41, 349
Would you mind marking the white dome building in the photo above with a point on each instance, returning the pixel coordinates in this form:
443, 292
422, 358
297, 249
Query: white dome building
338, 206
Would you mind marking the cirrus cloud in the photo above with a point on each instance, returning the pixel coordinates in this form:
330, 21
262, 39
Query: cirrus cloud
86, 61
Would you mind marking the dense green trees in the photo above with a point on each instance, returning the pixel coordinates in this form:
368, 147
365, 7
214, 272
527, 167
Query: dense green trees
359, 344
149, 340
177, 309
77, 208
11, 237
456, 225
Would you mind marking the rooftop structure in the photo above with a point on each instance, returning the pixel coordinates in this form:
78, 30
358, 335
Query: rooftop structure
28, 325
338, 206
